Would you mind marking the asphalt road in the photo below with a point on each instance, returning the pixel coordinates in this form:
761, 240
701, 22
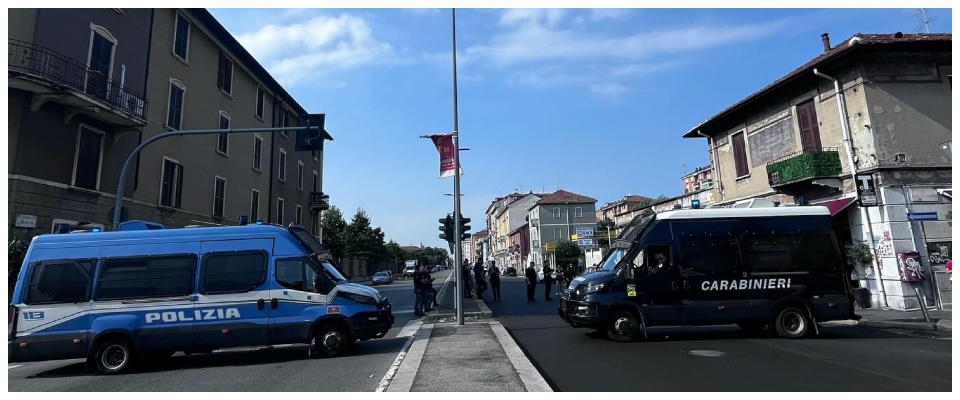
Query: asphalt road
278, 369
720, 358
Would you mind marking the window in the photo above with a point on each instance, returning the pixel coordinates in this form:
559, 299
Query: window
233, 272
556, 212
740, 155
254, 204
88, 158
175, 104
316, 182
817, 252
219, 194
225, 74
282, 174
223, 140
280, 205
557, 233
146, 277
299, 175
181, 39
578, 212
283, 120
706, 254
257, 152
260, 95
171, 183
299, 214
768, 252
62, 281
296, 275
100, 62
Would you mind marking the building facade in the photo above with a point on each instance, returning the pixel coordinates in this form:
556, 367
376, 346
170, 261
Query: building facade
876, 153
519, 247
610, 210
555, 218
198, 77
700, 179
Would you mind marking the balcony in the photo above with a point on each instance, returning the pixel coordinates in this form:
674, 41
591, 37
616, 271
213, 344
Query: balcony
51, 76
319, 201
804, 166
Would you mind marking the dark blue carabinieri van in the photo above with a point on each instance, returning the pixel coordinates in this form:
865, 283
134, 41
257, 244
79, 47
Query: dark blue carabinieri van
755, 267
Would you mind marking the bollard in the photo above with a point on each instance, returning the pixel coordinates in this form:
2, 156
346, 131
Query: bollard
923, 305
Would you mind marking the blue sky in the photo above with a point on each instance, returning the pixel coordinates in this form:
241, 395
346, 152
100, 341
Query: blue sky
591, 101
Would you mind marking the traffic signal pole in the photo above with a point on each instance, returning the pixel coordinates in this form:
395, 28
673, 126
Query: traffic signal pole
457, 247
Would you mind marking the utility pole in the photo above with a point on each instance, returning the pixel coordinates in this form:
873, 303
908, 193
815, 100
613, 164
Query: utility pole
457, 249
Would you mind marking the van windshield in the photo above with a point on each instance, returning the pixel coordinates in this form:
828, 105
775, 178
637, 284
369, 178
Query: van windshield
611, 260
331, 270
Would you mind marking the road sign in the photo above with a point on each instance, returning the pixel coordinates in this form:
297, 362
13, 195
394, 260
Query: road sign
585, 231
551, 247
584, 242
922, 216
573, 238
866, 191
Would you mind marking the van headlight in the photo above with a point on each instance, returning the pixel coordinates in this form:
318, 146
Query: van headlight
359, 298
595, 287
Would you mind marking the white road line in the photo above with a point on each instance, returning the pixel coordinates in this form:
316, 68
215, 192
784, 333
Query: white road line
14, 366
413, 327
405, 369
529, 375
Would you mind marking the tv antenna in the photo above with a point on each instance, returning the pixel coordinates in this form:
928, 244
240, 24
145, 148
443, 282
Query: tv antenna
925, 25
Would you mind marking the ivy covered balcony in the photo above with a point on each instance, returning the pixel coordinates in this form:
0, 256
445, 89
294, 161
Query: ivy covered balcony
804, 166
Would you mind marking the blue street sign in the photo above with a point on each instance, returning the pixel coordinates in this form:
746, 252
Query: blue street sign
922, 216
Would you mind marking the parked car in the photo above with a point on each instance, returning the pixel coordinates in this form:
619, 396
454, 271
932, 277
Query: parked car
383, 278
510, 271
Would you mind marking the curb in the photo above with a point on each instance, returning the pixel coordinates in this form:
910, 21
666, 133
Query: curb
919, 326
531, 378
401, 374
391, 373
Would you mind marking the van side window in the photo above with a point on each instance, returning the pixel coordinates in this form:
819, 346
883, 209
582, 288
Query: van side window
658, 259
233, 272
296, 275
817, 252
769, 252
146, 277
709, 254
61, 281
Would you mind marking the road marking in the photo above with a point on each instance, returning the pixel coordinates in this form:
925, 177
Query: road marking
411, 328
14, 366
529, 375
707, 353
388, 377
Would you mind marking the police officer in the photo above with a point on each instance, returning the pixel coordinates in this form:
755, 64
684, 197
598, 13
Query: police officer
494, 273
481, 282
547, 281
531, 275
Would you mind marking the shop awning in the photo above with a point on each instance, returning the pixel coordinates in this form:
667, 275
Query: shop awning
836, 205
948, 193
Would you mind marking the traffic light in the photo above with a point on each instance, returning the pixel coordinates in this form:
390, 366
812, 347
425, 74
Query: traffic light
446, 228
464, 228
310, 139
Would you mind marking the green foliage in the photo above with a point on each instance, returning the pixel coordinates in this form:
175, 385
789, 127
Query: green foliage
804, 166
567, 252
647, 203
16, 249
334, 231
859, 253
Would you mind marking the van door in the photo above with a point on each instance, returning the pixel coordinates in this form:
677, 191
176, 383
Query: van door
295, 300
712, 276
654, 284
233, 294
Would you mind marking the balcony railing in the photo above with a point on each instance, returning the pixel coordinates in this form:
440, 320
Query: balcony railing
47, 64
319, 201
804, 165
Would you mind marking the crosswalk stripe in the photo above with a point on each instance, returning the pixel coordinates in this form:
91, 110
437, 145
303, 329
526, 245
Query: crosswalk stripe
14, 366
410, 329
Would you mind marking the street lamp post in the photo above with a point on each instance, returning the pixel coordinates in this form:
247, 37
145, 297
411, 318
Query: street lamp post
458, 249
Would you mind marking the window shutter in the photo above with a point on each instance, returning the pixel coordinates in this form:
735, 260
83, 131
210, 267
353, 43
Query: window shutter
179, 184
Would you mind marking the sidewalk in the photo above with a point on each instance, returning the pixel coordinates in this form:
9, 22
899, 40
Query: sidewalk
478, 356
940, 320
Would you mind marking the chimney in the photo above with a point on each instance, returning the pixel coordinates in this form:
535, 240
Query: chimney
826, 42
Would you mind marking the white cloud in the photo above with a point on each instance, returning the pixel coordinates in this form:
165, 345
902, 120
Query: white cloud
294, 52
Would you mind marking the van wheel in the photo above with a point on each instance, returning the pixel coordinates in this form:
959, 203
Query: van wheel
331, 340
752, 327
113, 356
623, 326
792, 323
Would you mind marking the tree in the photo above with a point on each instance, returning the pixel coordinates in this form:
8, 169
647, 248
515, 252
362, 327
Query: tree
334, 231
567, 252
360, 241
395, 252
647, 203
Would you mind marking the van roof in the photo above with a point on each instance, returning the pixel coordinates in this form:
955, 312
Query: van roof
208, 232
744, 212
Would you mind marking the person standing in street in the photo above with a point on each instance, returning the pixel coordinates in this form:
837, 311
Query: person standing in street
531, 275
467, 287
419, 302
547, 281
568, 275
494, 273
481, 282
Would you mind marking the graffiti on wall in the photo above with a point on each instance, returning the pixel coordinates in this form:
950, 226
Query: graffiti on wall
885, 246
938, 252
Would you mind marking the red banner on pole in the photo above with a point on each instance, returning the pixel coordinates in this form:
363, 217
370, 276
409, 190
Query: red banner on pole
444, 143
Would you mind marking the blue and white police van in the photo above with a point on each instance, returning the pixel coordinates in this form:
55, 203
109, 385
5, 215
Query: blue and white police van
118, 297
754, 267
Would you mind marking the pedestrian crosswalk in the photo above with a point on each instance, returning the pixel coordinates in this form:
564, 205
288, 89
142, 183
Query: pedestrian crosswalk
14, 366
410, 329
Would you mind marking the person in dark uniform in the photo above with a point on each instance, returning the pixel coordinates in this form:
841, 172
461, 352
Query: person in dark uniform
419, 302
467, 279
568, 275
481, 282
531, 275
494, 273
547, 281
